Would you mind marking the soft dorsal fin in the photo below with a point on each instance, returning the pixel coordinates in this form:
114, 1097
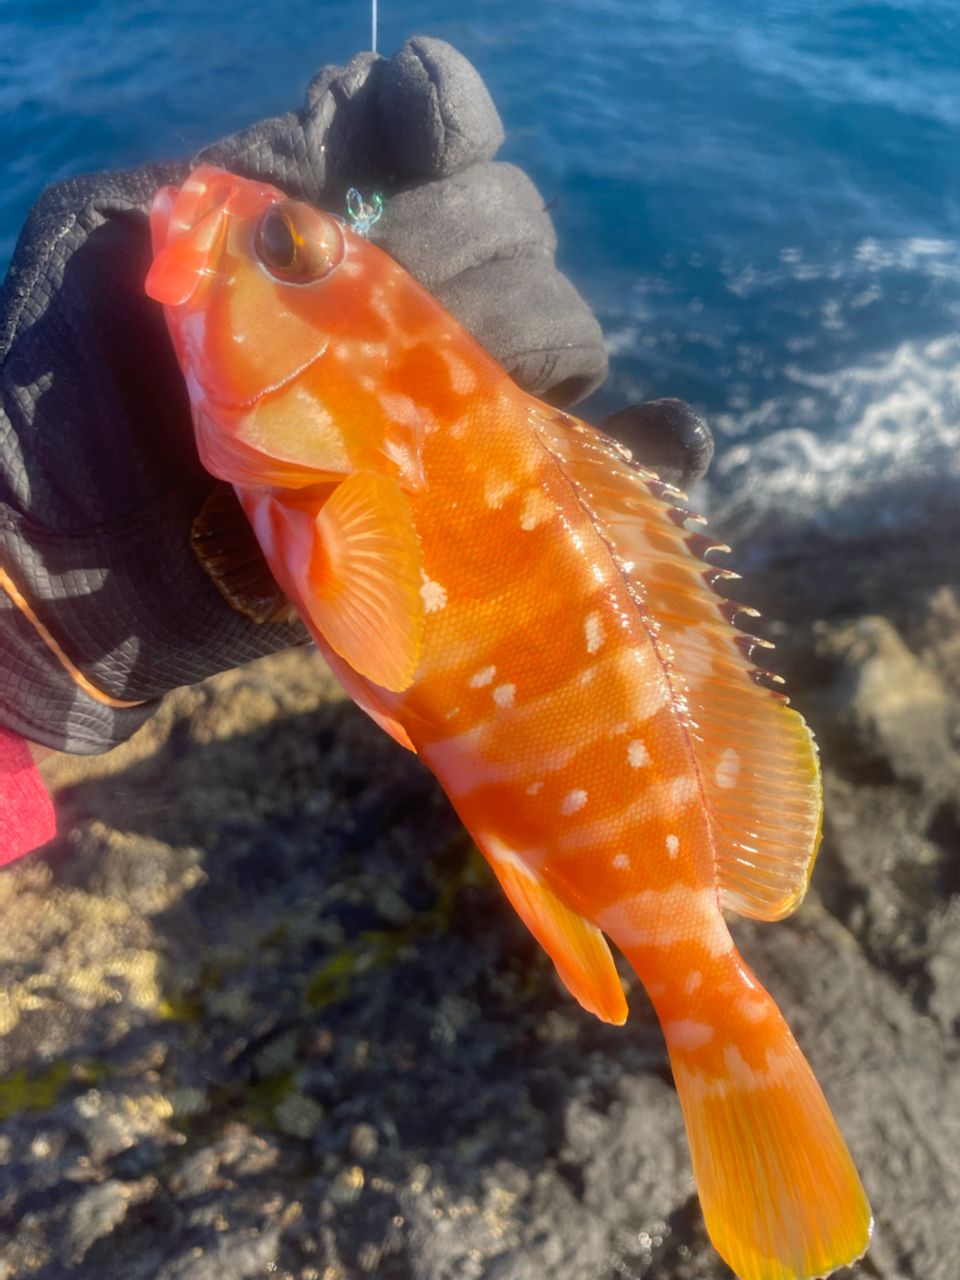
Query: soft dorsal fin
756, 757
577, 948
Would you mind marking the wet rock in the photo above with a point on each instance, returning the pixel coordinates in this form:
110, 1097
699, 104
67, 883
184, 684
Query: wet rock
938, 636
881, 705
98, 1211
943, 968
237, 1255
364, 1141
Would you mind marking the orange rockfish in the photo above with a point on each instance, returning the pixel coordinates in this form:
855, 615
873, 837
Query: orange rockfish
509, 596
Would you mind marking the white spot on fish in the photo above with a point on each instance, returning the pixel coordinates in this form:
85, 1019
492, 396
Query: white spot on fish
738, 1068
647, 685
380, 305
594, 632
401, 409
696, 655
503, 695
460, 762
777, 1072
497, 489
673, 845
664, 917
408, 460
728, 769
697, 1084
573, 801
462, 378
454, 711
682, 792
534, 788
377, 350
687, 1034
622, 862
694, 978
483, 676
637, 754
751, 1009
433, 595
587, 676
537, 507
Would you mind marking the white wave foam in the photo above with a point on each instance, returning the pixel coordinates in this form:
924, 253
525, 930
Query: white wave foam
935, 258
896, 439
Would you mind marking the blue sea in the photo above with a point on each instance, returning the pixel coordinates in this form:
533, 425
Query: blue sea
760, 202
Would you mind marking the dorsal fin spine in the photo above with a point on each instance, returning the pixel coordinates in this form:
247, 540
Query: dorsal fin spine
753, 755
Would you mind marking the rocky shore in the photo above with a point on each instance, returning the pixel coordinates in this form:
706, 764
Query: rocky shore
264, 1013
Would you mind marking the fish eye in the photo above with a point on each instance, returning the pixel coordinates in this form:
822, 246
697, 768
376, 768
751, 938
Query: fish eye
275, 243
297, 243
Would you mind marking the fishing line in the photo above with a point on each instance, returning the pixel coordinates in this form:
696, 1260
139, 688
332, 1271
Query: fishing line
373, 25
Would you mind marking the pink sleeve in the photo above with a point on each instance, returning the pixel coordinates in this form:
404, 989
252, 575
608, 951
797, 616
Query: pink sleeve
26, 811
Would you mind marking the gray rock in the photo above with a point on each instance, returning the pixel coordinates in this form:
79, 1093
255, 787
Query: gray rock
883, 705
98, 1211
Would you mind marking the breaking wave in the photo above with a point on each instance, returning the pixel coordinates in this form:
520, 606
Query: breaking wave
891, 455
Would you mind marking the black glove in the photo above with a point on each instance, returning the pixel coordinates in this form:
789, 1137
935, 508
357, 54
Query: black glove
667, 436
103, 600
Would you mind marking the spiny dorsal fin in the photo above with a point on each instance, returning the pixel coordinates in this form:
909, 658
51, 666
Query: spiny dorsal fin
227, 547
756, 757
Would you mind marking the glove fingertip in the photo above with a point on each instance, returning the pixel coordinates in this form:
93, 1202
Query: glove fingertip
436, 115
667, 435
532, 320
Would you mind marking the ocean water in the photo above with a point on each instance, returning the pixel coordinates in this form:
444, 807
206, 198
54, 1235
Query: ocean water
761, 203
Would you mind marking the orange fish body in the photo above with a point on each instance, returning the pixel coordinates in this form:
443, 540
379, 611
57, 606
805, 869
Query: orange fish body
504, 592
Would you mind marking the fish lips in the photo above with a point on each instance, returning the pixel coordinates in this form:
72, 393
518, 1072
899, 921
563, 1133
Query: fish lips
188, 226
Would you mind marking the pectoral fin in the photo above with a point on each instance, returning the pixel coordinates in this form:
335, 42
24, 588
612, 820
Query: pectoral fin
577, 948
363, 588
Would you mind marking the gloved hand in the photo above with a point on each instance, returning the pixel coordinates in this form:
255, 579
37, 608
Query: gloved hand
103, 606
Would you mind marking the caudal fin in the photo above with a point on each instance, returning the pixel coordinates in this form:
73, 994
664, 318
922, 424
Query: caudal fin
780, 1194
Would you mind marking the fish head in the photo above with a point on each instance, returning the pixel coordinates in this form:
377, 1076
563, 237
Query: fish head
269, 304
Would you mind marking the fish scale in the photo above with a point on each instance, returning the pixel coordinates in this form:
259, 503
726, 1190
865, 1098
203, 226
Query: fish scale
508, 595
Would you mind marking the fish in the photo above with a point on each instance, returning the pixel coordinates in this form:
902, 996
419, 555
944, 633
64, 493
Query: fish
512, 597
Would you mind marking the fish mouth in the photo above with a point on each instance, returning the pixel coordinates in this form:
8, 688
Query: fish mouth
188, 226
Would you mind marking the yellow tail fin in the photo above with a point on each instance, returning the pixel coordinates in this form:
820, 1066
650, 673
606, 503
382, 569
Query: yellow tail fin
780, 1194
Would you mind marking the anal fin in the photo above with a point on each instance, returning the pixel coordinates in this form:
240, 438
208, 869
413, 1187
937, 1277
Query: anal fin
577, 948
